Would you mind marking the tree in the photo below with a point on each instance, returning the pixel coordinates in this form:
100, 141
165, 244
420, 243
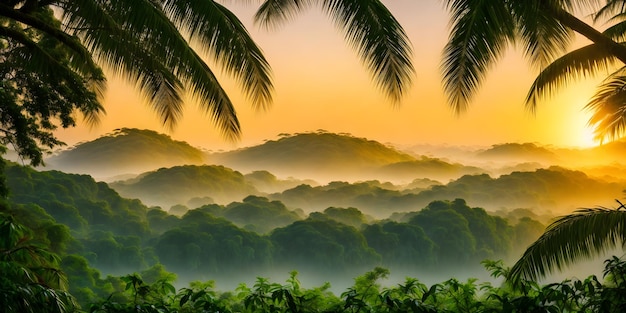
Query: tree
481, 30
31, 280
52, 53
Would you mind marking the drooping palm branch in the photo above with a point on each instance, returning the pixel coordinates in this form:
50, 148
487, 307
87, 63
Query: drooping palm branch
142, 41
368, 27
480, 32
161, 60
608, 107
581, 235
584, 62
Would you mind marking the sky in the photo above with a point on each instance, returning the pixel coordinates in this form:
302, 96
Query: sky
320, 83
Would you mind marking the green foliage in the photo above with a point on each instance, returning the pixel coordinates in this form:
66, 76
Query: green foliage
349, 216
323, 244
258, 214
77, 201
31, 280
550, 188
42, 86
208, 245
463, 234
401, 244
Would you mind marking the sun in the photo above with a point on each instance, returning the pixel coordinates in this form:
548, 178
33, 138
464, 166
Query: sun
586, 138
582, 134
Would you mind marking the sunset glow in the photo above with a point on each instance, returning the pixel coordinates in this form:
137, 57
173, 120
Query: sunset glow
321, 84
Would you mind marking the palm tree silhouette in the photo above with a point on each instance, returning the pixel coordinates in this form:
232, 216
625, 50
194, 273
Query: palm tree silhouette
481, 30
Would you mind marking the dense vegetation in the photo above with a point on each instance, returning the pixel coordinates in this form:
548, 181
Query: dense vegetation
94, 230
550, 189
23, 258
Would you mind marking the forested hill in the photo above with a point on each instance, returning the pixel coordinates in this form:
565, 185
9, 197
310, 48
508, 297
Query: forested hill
519, 152
319, 156
125, 151
179, 184
553, 190
89, 224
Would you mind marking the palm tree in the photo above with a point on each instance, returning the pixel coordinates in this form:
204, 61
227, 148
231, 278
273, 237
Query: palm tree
368, 27
52, 52
480, 32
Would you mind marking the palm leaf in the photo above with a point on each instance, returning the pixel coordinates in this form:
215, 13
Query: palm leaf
608, 107
272, 13
379, 40
96, 24
480, 32
581, 235
580, 63
224, 37
616, 31
610, 10
369, 28
154, 55
542, 36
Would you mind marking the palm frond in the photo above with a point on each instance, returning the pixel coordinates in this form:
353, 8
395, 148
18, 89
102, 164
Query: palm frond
582, 5
542, 36
81, 54
580, 63
225, 38
581, 235
149, 50
379, 39
273, 13
480, 32
368, 27
608, 107
609, 10
616, 31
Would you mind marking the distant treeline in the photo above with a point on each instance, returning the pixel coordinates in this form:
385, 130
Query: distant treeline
90, 225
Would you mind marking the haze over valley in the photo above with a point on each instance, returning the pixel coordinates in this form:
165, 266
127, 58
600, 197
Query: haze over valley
330, 206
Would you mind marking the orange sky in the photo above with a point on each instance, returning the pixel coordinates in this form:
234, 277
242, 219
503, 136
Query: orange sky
320, 84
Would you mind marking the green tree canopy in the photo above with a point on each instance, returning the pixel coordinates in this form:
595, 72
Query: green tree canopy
31, 280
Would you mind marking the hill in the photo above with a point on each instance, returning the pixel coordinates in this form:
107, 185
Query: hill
166, 187
426, 167
519, 152
125, 151
320, 156
554, 190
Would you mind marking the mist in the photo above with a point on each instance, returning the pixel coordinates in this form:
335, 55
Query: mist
328, 206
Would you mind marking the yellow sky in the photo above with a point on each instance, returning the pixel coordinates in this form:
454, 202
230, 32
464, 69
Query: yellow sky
321, 84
